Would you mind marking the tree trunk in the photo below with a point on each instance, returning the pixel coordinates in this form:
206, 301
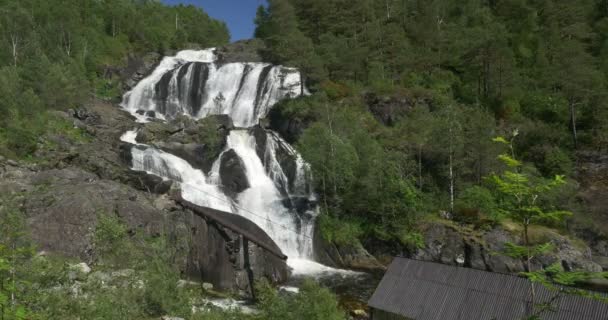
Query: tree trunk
420, 167
451, 183
15, 44
573, 123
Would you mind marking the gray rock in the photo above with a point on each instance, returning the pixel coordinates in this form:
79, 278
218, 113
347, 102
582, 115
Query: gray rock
232, 173
207, 286
442, 244
601, 261
352, 256
241, 51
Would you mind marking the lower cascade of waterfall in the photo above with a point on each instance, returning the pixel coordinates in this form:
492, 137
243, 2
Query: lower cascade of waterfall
282, 203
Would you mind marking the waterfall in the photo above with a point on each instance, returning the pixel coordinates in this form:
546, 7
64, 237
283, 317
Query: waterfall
191, 83
279, 196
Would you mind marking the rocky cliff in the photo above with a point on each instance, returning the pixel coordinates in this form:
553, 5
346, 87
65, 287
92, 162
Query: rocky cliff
72, 184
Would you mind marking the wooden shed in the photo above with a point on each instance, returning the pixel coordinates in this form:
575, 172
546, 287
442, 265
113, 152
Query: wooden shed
419, 290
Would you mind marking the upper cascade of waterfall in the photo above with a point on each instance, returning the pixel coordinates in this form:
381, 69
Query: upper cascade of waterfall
195, 84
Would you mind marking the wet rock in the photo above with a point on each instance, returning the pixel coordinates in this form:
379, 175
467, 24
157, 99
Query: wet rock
232, 173
138, 68
198, 142
150, 183
261, 138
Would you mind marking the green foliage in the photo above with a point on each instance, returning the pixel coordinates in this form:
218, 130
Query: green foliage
339, 231
413, 239
311, 303
56, 53
476, 203
15, 254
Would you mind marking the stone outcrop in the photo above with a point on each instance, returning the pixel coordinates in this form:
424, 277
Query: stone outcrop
389, 109
448, 244
345, 256
241, 51
62, 207
198, 142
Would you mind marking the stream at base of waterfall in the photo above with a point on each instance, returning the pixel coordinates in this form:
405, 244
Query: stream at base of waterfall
192, 83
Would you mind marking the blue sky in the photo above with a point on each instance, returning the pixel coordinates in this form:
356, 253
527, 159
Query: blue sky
238, 14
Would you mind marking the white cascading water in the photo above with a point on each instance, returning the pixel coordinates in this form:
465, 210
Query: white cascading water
191, 83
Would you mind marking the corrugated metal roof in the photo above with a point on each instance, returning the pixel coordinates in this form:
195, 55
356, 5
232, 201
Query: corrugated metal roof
431, 291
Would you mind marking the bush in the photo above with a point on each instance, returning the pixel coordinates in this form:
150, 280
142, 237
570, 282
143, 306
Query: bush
476, 204
311, 303
339, 231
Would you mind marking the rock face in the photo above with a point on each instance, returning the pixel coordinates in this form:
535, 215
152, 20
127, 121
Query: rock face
138, 68
592, 172
291, 128
241, 51
389, 109
447, 244
198, 142
351, 256
63, 198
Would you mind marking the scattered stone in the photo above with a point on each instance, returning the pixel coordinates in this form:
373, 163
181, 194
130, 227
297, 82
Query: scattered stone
446, 215
207, 286
360, 314
460, 259
185, 283
83, 267
170, 318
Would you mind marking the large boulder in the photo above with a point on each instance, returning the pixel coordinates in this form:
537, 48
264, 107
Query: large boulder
233, 173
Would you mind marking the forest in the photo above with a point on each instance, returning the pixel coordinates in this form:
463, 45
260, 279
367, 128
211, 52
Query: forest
468, 71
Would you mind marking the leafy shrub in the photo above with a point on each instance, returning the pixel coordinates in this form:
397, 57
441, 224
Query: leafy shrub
311, 303
475, 204
339, 231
